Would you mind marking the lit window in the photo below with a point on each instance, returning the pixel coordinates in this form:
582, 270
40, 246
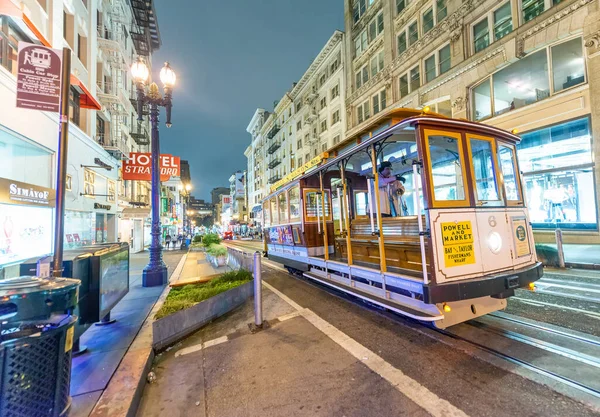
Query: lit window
502, 21
481, 35
568, 68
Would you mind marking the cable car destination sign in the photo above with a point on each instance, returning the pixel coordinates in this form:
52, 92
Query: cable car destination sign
458, 243
300, 171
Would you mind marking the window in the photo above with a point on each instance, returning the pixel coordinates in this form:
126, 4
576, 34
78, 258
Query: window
274, 210
506, 155
379, 102
334, 66
498, 21
10, 36
415, 79
323, 79
532, 9
112, 195
336, 117
336, 139
430, 68
89, 179
444, 60
358, 9
298, 105
401, 5
401, 43
568, 67
299, 144
283, 208
376, 27
427, 20
413, 34
556, 191
294, 197
324, 147
528, 80
323, 102
362, 76
299, 125
335, 92
403, 85
446, 164
74, 107
69, 183
299, 162
323, 125
484, 171
481, 35
377, 63
363, 111
441, 10
360, 43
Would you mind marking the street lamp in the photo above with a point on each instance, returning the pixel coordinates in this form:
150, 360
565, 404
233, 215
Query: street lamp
155, 273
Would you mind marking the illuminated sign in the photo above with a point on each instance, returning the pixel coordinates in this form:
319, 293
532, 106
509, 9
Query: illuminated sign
299, 171
139, 167
458, 243
15, 192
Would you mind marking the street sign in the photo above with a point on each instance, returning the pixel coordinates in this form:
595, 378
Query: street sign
39, 77
138, 167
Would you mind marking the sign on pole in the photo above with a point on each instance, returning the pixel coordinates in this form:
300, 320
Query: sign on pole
139, 167
240, 186
39, 77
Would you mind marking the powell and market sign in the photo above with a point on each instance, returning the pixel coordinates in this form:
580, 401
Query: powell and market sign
15, 192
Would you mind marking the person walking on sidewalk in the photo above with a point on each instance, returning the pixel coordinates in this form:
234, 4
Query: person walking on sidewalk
168, 240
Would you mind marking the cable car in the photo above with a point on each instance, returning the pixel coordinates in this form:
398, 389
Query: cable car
420, 214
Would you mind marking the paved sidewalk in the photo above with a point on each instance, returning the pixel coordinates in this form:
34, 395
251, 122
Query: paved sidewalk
197, 266
107, 345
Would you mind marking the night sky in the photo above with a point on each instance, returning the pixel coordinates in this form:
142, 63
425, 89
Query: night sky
232, 57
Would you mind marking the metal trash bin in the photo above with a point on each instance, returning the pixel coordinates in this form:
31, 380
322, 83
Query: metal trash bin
36, 339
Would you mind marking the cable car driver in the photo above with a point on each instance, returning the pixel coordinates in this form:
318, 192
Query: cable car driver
391, 186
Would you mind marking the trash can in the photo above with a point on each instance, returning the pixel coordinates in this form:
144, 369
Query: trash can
36, 339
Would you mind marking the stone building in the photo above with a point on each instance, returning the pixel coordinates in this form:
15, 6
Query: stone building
530, 65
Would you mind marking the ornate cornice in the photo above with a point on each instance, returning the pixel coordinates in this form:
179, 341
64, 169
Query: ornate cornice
554, 18
366, 18
593, 41
335, 39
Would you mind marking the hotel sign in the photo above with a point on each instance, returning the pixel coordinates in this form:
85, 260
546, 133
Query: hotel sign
299, 171
15, 192
139, 167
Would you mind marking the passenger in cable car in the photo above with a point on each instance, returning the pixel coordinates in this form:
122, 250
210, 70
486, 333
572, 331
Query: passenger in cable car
391, 190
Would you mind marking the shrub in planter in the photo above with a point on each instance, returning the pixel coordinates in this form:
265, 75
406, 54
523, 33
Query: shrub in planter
219, 252
197, 239
547, 255
211, 239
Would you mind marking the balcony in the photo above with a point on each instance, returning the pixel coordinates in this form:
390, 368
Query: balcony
312, 115
273, 131
141, 137
274, 162
313, 95
274, 179
145, 106
274, 146
109, 94
117, 148
113, 41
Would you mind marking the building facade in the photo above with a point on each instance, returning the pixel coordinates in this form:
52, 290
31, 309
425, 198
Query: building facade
305, 122
104, 37
532, 65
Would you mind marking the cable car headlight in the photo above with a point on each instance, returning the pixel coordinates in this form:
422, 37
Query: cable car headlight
494, 242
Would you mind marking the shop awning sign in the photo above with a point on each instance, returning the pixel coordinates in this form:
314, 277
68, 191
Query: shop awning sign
139, 167
39, 77
15, 192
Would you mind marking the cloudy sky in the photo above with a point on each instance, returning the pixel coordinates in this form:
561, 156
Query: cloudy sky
230, 58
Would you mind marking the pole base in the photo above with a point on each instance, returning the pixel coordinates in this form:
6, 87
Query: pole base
154, 276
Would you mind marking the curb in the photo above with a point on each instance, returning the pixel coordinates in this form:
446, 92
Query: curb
582, 265
123, 393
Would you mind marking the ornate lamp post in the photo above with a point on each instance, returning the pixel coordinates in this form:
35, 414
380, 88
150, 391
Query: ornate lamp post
155, 273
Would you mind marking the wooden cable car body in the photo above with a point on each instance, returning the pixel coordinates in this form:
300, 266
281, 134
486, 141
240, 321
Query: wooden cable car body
453, 245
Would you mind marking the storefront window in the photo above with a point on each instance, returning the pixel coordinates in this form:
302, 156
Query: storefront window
79, 229
24, 161
482, 96
294, 196
25, 232
568, 67
559, 175
483, 170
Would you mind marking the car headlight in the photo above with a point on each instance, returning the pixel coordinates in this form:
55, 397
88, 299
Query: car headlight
494, 242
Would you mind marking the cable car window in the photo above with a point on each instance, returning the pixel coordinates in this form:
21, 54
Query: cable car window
267, 213
447, 168
294, 197
507, 164
312, 205
274, 216
283, 208
360, 203
482, 159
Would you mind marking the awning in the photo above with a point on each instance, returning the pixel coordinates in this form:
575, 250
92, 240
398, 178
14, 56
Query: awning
135, 213
256, 208
86, 99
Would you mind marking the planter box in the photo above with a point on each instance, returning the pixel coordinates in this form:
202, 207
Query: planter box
176, 326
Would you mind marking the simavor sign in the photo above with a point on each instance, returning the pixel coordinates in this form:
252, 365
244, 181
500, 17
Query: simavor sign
15, 192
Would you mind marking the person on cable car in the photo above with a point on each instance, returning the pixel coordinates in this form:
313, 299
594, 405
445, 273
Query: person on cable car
391, 186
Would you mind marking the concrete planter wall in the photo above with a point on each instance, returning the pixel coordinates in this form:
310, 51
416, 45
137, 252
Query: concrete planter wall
176, 326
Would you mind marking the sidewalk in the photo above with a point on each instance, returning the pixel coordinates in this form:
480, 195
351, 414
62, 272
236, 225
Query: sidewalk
107, 345
292, 368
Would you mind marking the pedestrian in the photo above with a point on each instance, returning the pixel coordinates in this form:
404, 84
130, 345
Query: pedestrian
168, 240
180, 239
